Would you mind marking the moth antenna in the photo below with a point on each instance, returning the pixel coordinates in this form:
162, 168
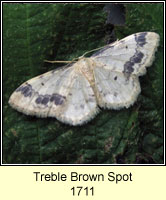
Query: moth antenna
59, 61
74, 59
91, 51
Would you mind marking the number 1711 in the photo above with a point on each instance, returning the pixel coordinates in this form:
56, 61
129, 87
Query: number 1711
81, 190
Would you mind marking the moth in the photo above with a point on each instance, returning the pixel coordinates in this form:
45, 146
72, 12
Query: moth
108, 79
